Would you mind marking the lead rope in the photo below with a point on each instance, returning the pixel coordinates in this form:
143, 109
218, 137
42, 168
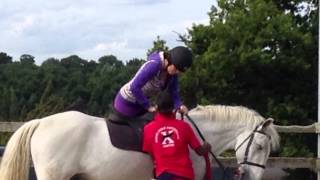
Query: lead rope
203, 139
208, 175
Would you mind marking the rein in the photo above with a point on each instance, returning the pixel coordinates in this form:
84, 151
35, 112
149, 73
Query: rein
203, 139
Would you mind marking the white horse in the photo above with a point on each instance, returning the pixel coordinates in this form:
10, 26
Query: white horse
72, 143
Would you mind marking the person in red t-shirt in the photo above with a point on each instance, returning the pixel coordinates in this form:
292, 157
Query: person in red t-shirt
166, 139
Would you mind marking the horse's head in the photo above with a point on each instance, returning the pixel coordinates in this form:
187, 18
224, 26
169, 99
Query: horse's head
253, 149
229, 127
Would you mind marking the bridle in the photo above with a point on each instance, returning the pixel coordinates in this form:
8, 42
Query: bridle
250, 139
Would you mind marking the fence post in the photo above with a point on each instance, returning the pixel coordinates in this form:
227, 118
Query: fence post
318, 171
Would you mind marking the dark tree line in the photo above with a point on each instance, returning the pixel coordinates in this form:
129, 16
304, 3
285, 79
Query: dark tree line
29, 91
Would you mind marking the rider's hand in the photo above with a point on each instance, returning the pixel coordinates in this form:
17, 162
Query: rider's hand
152, 109
183, 109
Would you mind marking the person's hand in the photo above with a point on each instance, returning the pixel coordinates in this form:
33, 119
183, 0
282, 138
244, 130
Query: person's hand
207, 146
183, 109
203, 149
152, 109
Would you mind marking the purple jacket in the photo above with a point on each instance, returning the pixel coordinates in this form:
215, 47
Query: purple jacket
147, 82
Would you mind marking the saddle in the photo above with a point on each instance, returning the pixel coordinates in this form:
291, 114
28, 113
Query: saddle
127, 133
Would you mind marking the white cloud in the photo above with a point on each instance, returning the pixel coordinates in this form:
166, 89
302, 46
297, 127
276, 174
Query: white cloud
110, 46
23, 24
124, 28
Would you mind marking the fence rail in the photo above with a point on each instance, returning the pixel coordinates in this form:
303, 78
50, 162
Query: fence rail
10, 126
273, 162
313, 128
278, 162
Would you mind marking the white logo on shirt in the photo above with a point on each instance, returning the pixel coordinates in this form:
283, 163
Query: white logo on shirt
167, 139
166, 136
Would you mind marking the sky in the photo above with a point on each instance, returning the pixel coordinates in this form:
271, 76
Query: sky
91, 29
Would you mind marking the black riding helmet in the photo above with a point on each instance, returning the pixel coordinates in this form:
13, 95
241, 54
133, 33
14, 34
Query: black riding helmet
180, 57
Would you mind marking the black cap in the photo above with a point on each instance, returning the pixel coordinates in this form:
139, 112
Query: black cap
165, 103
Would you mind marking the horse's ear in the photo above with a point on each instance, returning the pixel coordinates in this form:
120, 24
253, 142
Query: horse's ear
267, 122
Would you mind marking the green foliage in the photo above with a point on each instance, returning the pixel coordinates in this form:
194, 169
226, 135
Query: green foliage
158, 45
261, 54
26, 59
4, 58
28, 91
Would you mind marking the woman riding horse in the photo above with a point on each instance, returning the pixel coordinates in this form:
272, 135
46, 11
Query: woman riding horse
159, 73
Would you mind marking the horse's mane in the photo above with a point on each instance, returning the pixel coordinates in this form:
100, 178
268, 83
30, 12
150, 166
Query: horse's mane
233, 115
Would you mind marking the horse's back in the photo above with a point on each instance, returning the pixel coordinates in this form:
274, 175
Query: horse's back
62, 141
69, 119
68, 128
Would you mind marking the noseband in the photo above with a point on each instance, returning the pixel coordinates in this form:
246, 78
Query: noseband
250, 138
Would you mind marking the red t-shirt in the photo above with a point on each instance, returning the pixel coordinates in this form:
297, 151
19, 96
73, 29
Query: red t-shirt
167, 140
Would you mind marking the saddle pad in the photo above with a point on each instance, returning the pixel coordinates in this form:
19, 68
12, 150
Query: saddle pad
124, 136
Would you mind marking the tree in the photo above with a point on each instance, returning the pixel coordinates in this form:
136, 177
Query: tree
73, 61
13, 105
110, 60
50, 61
27, 59
260, 54
49, 103
5, 59
158, 45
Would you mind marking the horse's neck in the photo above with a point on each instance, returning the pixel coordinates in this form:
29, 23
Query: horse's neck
221, 138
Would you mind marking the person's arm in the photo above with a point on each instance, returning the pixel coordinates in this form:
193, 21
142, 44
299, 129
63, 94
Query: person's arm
146, 72
173, 88
195, 143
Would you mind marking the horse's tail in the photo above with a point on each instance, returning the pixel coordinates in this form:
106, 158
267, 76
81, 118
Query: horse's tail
15, 162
